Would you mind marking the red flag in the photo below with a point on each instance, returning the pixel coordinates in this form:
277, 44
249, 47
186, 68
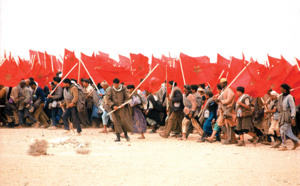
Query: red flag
195, 71
292, 79
124, 75
298, 63
223, 62
278, 72
57, 65
25, 66
173, 71
273, 61
157, 77
139, 65
124, 62
89, 63
236, 66
102, 54
69, 61
296, 94
10, 73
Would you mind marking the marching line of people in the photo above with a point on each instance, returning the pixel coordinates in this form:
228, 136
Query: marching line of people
227, 115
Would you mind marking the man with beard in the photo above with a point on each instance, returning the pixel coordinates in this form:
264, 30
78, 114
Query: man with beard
287, 113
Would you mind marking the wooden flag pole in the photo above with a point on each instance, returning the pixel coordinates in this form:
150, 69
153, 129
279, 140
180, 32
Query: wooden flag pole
229, 67
78, 71
120, 106
221, 74
235, 79
89, 75
136, 88
297, 64
63, 79
182, 70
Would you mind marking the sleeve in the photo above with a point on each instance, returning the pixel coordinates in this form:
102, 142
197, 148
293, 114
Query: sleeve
177, 96
108, 98
2, 92
59, 93
230, 96
42, 95
75, 95
292, 106
126, 96
27, 95
194, 102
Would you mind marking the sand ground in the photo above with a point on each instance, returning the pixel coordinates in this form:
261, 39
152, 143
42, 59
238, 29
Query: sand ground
153, 161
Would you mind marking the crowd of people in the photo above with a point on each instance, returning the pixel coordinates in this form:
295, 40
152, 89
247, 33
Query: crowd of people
125, 109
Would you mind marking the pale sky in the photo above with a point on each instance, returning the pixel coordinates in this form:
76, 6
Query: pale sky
196, 28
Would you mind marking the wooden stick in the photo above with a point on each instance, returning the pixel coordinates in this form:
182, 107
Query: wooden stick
143, 80
120, 106
63, 79
89, 74
221, 74
235, 79
297, 64
78, 71
182, 70
229, 67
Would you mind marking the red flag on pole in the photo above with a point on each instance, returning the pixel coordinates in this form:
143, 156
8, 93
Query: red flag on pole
69, 61
10, 73
139, 65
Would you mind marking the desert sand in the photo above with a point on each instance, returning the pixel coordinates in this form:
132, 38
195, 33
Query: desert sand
153, 161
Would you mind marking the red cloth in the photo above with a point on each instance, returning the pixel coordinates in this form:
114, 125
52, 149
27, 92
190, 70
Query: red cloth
69, 61
139, 65
197, 70
10, 73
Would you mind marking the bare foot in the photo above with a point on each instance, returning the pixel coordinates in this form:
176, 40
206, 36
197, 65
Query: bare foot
66, 132
77, 134
51, 128
36, 125
141, 137
19, 127
103, 131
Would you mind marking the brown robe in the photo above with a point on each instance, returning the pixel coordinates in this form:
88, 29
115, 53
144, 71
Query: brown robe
122, 118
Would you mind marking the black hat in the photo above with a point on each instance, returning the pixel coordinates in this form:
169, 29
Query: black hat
57, 79
241, 89
188, 87
286, 87
171, 83
84, 80
130, 87
116, 80
67, 80
194, 87
209, 93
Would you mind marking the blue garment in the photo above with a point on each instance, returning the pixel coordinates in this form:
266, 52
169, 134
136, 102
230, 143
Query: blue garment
102, 91
56, 112
207, 127
95, 112
39, 93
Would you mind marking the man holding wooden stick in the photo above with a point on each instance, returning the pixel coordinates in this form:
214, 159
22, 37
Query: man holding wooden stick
176, 111
227, 114
122, 118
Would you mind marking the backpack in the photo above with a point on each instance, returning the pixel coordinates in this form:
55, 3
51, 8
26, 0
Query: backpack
81, 99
